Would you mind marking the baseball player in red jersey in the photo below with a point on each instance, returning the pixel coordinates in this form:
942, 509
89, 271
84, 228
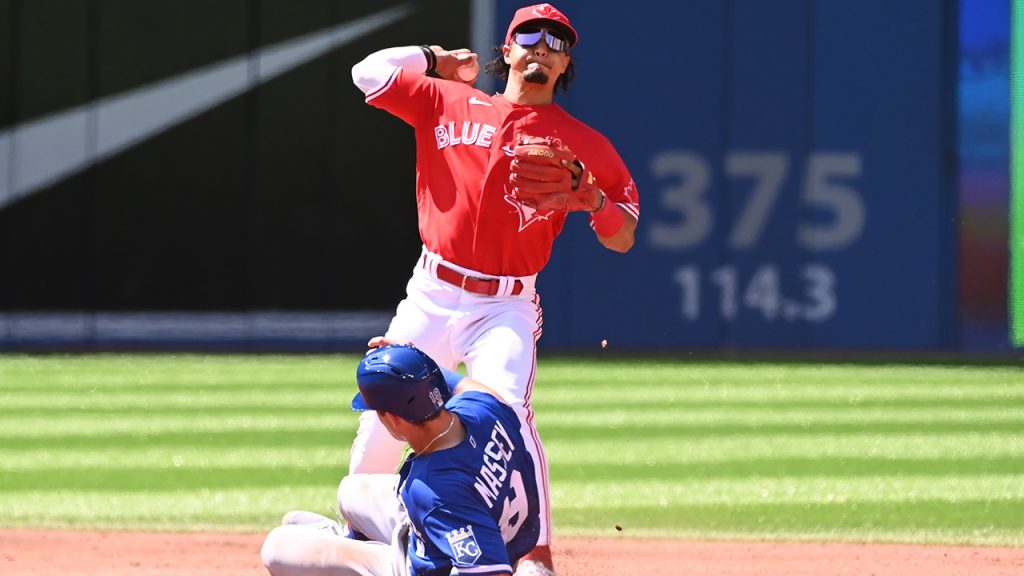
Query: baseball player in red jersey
485, 222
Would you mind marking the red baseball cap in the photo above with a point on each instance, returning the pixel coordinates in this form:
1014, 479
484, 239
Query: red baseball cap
541, 13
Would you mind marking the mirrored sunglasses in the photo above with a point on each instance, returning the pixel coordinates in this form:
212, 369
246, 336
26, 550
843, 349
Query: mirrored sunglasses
530, 37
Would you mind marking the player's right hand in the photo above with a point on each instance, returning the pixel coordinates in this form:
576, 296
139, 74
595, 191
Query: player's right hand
456, 65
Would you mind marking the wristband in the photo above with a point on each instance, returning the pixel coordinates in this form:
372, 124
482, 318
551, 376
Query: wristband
607, 220
604, 200
431, 58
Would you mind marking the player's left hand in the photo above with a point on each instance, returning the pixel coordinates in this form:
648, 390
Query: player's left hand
381, 341
547, 176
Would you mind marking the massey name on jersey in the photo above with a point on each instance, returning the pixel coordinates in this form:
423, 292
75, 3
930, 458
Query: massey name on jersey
494, 470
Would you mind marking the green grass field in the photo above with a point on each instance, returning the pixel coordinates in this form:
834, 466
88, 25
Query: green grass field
665, 447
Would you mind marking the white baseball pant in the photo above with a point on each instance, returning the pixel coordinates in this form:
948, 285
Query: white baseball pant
370, 504
495, 336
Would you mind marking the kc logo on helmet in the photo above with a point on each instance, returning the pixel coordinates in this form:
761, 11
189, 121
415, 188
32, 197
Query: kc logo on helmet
464, 546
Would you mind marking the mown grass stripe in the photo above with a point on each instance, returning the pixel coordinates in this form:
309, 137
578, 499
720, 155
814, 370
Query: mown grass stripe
144, 368
240, 409
143, 422
650, 451
221, 440
138, 424
72, 459
550, 399
661, 417
932, 520
572, 495
636, 433
580, 406
213, 398
639, 432
817, 467
556, 393
737, 381
187, 386
129, 477
769, 373
927, 522
673, 393
140, 479
1002, 489
238, 507
273, 371
823, 489
569, 452
700, 448
224, 371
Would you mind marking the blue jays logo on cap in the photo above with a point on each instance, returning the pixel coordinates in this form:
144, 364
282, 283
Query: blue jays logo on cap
464, 546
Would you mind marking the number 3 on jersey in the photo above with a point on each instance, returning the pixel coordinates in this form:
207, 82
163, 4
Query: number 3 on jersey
514, 511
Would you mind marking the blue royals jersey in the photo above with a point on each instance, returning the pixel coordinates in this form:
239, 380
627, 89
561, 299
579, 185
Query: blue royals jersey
473, 506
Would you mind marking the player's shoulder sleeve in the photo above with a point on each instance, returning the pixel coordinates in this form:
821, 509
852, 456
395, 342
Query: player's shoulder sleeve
451, 379
411, 96
604, 162
469, 537
475, 404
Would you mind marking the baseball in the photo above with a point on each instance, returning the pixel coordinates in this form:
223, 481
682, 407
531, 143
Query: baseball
468, 71
604, 344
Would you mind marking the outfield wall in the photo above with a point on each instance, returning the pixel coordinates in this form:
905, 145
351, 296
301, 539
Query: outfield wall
795, 165
795, 160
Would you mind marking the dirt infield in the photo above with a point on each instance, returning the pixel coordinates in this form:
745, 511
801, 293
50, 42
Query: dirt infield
60, 553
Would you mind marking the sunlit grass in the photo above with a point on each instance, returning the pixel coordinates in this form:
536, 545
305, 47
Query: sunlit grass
693, 449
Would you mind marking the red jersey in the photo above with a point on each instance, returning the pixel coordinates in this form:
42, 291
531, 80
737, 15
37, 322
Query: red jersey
464, 143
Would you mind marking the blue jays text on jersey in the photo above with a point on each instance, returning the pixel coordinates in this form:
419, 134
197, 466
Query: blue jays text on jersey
472, 133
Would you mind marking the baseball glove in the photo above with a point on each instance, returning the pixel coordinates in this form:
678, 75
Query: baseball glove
547, 176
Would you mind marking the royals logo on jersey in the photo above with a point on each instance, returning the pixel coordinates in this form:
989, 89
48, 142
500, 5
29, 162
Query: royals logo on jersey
464, 547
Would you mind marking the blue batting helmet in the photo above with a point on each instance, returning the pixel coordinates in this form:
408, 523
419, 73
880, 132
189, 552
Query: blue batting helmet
401, 380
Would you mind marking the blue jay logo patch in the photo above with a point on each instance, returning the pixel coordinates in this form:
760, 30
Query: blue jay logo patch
464, 545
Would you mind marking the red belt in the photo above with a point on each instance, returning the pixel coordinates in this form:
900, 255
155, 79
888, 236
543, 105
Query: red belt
485, 286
